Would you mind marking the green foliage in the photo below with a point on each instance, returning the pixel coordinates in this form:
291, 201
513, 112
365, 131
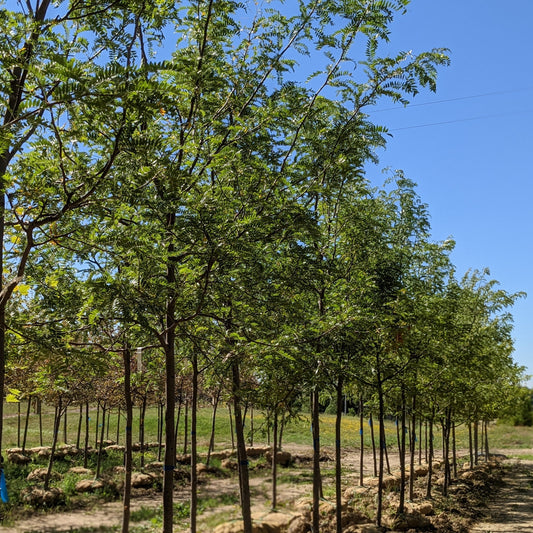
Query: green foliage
520, 410
209, 206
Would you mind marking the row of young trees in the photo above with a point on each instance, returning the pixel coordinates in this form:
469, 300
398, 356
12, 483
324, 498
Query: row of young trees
177, 181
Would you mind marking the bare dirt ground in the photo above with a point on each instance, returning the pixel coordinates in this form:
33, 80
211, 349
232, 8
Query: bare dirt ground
508, 510
511, 508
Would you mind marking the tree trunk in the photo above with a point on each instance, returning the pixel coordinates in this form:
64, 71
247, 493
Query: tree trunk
128, 455
26, 422
338, 486
398, 437
251, 425
401, 505
119, 414
86, 446
194, 460
486, 441
57, 420
386, 454
470, 445
40, 423
412, 444
281, 427
361, 441
80, 422
177, 424
446, 450
317, 478
381, 413
101, 443
18, 424
454, 452
426, 441
419, 440
108, 423
142, 416
170, 384
274, 459
231, 428
372, 437
160, 418
241, 450
186, 428
97, 424
476, 440
211, 448
430, 456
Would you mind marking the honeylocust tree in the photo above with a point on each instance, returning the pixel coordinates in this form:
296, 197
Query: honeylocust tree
65, 73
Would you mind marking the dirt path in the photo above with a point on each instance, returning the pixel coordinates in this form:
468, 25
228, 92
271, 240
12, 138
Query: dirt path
511, 508
107, 514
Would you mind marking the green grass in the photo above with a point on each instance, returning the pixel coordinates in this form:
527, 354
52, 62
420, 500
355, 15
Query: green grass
297, 431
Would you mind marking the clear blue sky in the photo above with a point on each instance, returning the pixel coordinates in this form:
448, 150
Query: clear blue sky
474, 165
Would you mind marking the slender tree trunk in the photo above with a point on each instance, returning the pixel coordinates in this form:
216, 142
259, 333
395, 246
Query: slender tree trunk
160, 424
426, 438
97, 424
482, 440
3, 320
486, 441
86, 445
170, 384
26, 422
430, 455
18, 424
57, 421
142, 416
281, 427
412, 450
177, 423
373, 438
241, 450
454, 452
186, 428
446, 450
386, 454
476, 441
251, 425
401, 505
40, 422
274, 459
101, 443
317, 478
231, 428
398, 437
128, 454
470, 445
80, 422
194, 457
420, 440
361, 441
382, 444
338, 465
213, 425
119, 414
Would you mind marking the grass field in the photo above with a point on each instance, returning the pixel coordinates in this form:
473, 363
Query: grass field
297, 431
